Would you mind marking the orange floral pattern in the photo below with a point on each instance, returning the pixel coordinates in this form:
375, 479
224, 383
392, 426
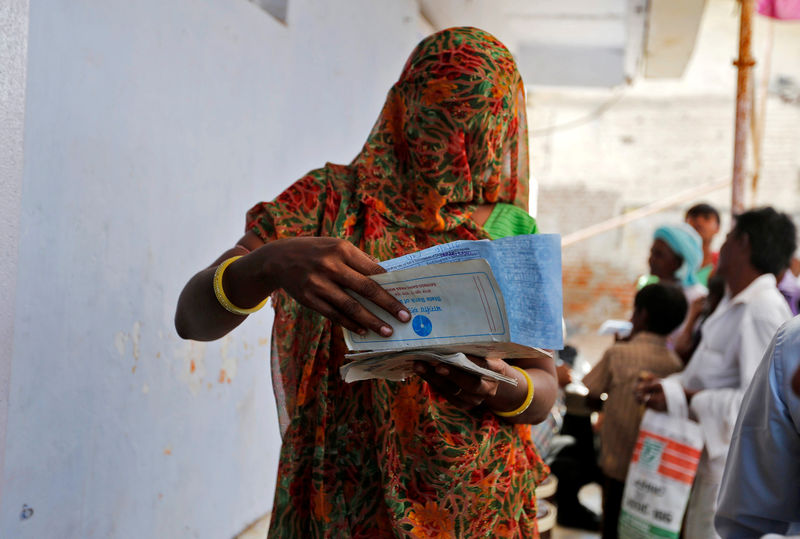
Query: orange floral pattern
394, 459
429, 521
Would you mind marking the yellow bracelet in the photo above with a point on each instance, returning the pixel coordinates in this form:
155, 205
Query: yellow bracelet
220, 293
528, 398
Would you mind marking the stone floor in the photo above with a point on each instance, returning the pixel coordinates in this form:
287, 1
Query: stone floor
589, 496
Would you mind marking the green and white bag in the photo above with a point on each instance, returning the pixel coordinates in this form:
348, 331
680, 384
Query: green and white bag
660, 476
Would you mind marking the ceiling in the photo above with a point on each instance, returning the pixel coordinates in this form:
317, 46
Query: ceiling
592, 43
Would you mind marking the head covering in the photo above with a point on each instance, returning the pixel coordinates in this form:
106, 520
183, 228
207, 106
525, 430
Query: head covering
452, 134
686, 243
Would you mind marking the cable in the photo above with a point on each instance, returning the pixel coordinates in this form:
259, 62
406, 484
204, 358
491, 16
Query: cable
599, 111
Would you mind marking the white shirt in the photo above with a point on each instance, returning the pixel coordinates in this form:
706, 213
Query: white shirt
734, 340
760, 490
691, 293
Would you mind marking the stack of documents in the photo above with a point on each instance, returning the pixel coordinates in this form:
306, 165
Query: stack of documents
498, 298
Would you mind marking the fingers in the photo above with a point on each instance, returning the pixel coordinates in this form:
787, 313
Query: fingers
470, 383
641, 389
459, 387
361, 261
656, 401
329, 311
647, 389
350, 308
652, 386
349, 269
317, 270
450, 390
646, 379
493, 364
365, 287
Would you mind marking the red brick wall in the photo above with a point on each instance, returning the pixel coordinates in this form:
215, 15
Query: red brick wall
595, 291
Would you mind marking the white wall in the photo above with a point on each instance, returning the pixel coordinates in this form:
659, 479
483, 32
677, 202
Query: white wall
151, 127
13, 51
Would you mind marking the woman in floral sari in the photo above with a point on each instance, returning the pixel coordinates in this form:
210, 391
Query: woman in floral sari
441, 454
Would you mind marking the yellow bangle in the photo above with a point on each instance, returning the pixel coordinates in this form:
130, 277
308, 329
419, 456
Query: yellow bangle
220, 293
528, 398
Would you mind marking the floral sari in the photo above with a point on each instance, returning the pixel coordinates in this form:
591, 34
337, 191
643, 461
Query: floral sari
395, 459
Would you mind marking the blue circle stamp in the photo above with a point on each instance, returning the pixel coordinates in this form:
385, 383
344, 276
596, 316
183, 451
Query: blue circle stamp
422, 325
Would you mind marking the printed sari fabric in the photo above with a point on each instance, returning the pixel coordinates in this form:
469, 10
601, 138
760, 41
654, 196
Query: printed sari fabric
395, 459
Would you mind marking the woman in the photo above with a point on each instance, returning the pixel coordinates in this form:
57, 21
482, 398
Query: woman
430, 456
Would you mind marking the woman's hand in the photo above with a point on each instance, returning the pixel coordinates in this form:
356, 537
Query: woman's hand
462, 389
466, 391
316, 272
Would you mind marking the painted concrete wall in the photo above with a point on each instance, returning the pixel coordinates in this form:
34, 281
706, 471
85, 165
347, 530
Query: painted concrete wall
151, 127
13, 53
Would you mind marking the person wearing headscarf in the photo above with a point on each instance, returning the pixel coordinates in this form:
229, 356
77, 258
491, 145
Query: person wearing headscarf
428, 456
675, 257
676, 254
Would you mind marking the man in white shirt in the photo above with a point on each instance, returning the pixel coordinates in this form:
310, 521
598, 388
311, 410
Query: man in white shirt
734, 339
759, 492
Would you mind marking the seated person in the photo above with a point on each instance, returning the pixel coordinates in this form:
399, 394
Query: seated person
658, 309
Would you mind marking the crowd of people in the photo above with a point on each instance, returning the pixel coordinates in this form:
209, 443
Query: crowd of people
693, 352
449, 454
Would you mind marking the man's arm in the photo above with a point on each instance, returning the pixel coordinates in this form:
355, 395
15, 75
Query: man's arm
759, 492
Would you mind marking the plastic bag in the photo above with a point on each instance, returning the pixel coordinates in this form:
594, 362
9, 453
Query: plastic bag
660, 477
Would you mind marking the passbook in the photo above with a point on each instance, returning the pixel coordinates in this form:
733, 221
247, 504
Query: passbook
458, 296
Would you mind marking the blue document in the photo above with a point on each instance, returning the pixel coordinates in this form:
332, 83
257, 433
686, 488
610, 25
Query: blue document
528, 271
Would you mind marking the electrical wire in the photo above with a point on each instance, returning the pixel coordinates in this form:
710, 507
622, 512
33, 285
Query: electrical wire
592, 116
